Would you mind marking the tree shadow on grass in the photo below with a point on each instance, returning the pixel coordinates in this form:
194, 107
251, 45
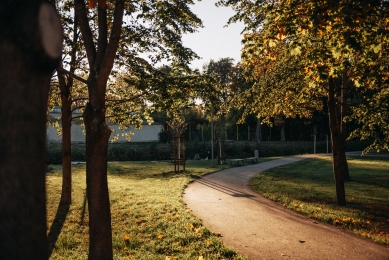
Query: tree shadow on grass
57, 225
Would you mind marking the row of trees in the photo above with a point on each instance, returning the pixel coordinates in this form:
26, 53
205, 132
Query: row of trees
102, 71
296, 53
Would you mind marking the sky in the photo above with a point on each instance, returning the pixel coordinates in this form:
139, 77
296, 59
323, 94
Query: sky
214, 41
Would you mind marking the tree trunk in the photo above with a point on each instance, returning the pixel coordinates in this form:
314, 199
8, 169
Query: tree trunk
282, 132
29, 52
343, 126
66, 120
100, 61
258, 133
336, 145
97, 135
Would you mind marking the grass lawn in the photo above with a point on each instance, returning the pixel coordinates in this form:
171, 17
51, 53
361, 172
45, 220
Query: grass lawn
149, 217
308, 187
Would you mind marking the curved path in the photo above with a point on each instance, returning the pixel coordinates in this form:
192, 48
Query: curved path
262, 229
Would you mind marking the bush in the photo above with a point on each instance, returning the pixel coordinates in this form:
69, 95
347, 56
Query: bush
54, 153
162, 151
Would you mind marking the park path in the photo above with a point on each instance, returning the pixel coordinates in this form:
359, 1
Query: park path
261, 229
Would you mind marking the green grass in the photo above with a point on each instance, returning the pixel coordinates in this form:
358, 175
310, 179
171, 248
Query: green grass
149, 217
308, 187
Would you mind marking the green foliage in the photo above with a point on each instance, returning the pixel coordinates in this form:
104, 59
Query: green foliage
373, 117
325, 39
151, 33
307, 187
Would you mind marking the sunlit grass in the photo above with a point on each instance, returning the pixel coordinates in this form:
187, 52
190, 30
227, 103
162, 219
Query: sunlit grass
149, 218
308, 187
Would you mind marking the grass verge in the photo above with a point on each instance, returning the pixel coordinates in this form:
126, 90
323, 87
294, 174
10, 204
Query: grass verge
149, 218
308, 187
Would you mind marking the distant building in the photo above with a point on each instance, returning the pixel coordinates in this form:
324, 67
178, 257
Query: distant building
148, 133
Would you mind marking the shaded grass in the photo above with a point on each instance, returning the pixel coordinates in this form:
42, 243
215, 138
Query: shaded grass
149, 217
308, 187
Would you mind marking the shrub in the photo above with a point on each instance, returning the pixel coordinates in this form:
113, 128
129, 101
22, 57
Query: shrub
162, 151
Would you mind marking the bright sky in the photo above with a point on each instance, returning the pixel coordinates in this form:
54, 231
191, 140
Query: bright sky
214, 41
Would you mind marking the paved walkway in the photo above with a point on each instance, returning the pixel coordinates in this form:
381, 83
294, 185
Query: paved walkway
262, 229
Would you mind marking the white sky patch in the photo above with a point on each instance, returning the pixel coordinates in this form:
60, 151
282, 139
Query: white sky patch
214, 41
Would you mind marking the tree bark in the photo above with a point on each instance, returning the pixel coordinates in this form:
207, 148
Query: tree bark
30, 49
258, 134
336, 145
97, 135
66, 120
343, 125
97, 131
282, 132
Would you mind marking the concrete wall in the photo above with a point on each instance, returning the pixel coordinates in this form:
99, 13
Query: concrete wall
148, 133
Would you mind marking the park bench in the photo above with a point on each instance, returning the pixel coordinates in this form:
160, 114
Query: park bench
236, 161
251, 160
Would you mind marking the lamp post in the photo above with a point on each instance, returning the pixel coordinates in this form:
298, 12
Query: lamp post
213, 165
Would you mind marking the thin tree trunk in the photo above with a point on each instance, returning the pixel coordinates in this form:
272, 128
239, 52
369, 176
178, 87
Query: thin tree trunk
282, 132
258, 130
100, 61
66, 119
27, 60
336, 145
97, 135
343, 126
270, 133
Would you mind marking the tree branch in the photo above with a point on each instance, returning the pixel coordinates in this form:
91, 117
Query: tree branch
120, 114
120, 101
77, 117
102, 41
62, 70
74, 109
79, 99
81, 13
114, 38
73, 53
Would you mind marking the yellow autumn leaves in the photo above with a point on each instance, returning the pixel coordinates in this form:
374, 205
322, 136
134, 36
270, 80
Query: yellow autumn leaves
173, 257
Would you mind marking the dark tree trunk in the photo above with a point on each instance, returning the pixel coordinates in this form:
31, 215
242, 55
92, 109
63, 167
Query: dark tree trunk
343, 125
258, 132
100, 61
97, 135
30, 49
282, 126
336, 144
66, 120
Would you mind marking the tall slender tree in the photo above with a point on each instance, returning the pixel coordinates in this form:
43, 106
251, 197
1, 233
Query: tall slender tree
150, 26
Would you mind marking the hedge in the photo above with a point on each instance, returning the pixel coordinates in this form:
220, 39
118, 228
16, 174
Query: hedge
152, 151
